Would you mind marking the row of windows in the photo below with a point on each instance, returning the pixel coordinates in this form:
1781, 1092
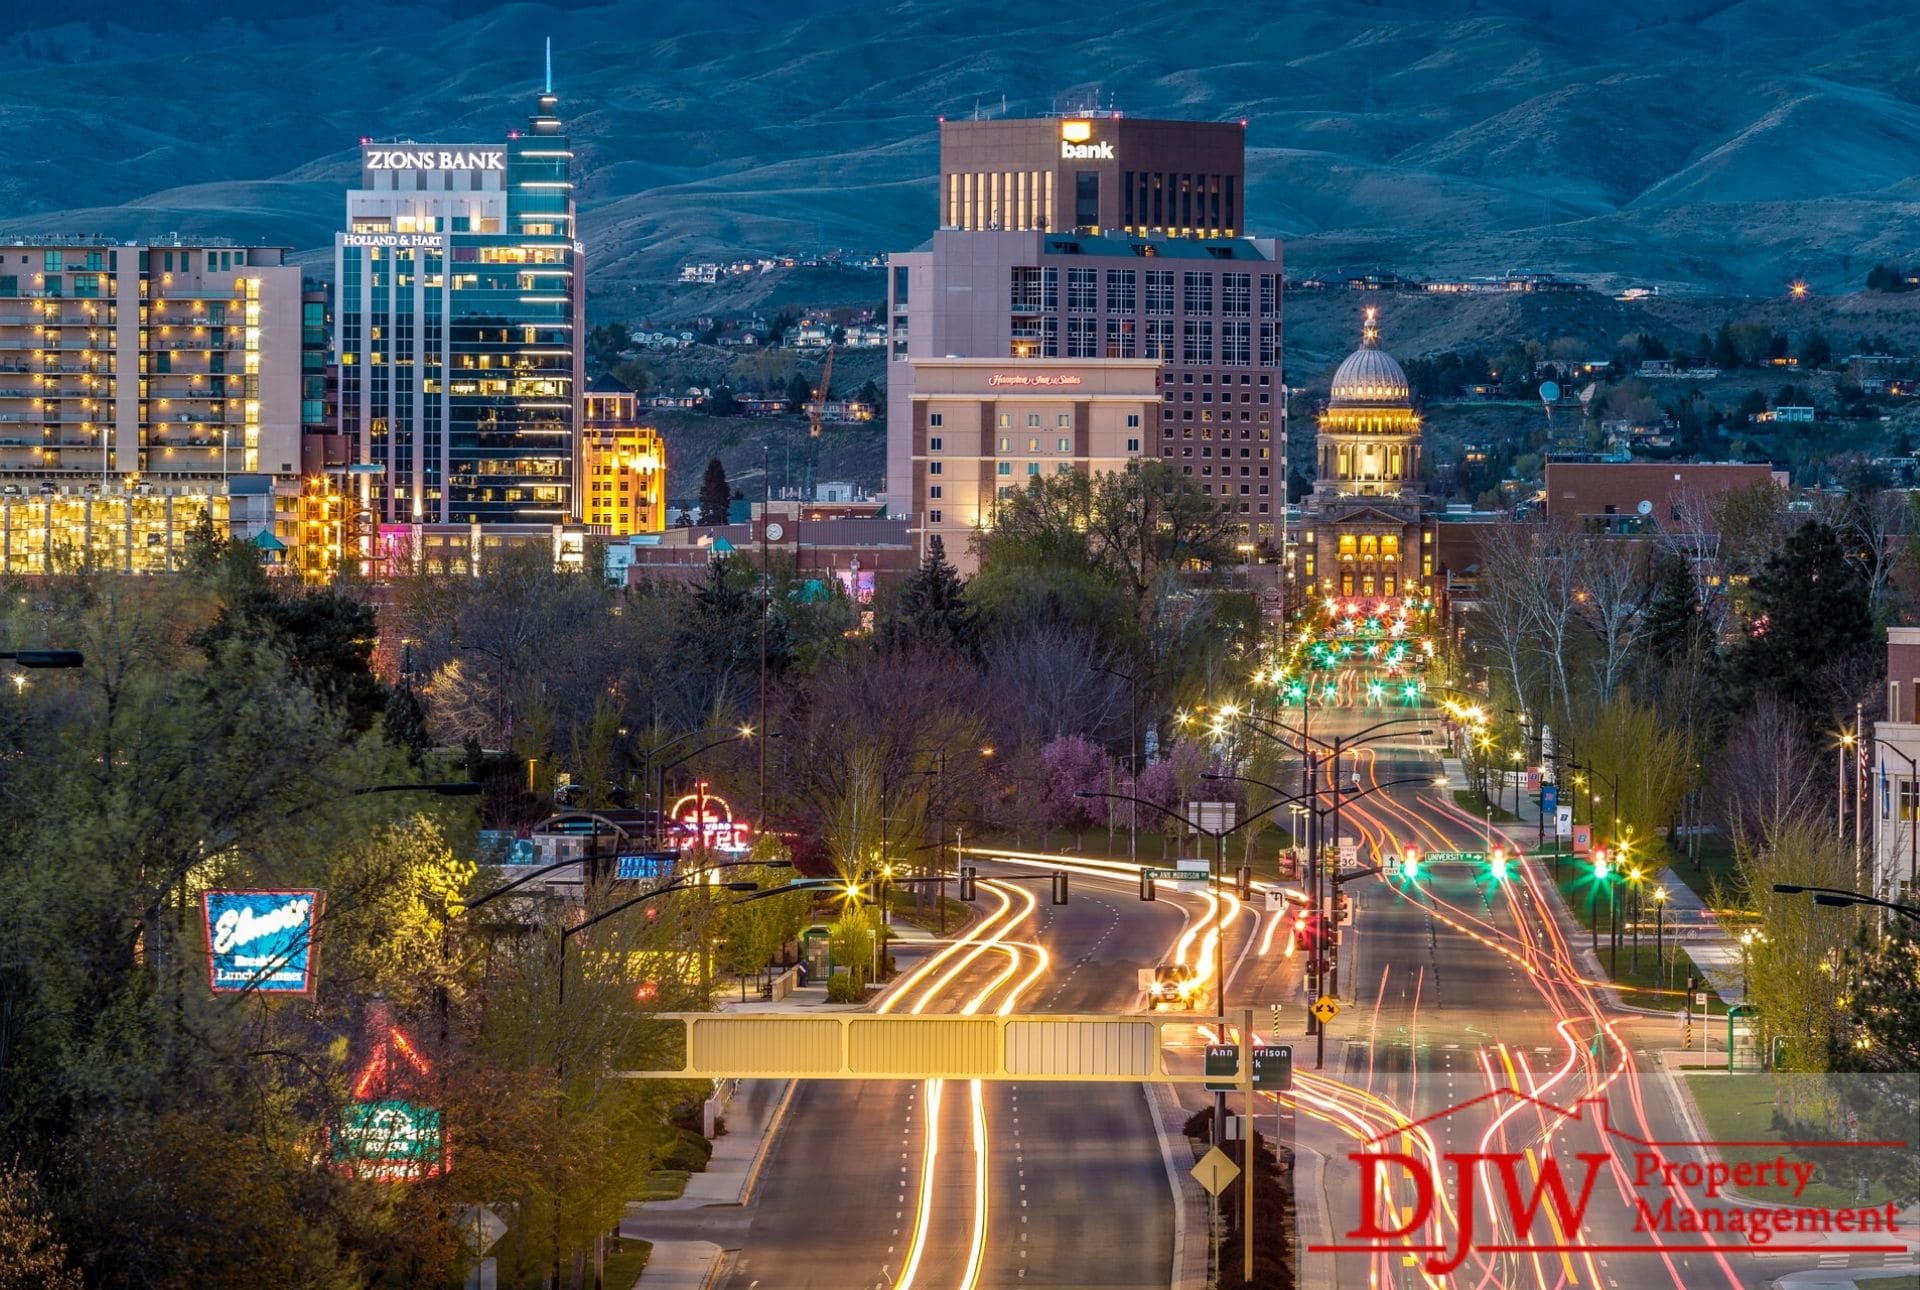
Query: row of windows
1061, 420
1128, 338
1037, 289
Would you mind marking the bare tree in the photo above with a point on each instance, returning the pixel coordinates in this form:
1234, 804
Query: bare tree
1049, 681
1767, 775
1502, 610
1612, 600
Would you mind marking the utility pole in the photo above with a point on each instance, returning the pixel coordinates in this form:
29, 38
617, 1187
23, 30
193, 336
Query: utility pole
766, 611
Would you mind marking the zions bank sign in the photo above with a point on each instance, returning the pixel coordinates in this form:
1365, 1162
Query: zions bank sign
1078, 144
383, 158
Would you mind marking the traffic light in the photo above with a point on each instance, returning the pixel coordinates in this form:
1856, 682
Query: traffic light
968, 877
1246, 882
1342, 909
1307, 930
1059, 886
1498, 859
1600, 864
1146, 885
1410, 864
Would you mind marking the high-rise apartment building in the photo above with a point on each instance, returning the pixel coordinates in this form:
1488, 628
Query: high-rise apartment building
1146, 261
460, 294
322, 446
169, 362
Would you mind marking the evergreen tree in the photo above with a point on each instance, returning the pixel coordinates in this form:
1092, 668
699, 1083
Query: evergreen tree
799, 392
1810, 612
933, 607
405, 723
1726, 355
715, 493
1815, 351
1673, 619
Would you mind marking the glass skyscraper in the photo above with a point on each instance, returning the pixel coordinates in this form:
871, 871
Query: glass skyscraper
461, 294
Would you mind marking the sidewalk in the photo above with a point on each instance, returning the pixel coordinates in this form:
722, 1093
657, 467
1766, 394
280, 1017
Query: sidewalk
691, 1234
1689, 922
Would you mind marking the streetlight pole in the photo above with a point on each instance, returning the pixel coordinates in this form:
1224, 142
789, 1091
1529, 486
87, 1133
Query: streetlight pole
1133, 680
1659, 945
745, 732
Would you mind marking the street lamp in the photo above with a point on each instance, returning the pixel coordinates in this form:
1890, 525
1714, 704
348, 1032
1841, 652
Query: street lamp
1839, 898
660, 815
1659, 925
45, 658
460, 788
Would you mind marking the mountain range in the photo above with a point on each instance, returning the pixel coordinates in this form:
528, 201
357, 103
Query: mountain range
1710, 145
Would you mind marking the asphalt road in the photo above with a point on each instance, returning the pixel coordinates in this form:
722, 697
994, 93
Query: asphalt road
1076, 1190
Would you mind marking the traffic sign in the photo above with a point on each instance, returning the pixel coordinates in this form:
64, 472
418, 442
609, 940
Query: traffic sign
1223, 1063
479, 1227
1273, 1067
1189, 879
1277, 1012
1216, 1171
1456, 857
1326, 1008
1349, 851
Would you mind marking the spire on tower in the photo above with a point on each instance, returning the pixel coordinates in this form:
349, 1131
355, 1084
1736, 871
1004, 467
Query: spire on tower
1369, 330
549, 64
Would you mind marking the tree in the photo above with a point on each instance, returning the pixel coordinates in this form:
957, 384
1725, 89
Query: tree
1815, 351
32, 1256
1071, 765
1612, 601
605, 343
1886, 277
715, 493
873, 396
1811, 618
932, 606
405, 723
1674, 624
799, 392
1796, 1000
1726, 355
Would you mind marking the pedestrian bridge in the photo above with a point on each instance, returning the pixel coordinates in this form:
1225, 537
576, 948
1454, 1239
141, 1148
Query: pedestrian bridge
865, 1046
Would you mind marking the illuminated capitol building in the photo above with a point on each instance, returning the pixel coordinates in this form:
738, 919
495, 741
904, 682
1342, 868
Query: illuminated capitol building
1363, 532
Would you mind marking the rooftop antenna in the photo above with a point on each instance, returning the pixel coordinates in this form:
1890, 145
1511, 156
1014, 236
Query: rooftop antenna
549, 64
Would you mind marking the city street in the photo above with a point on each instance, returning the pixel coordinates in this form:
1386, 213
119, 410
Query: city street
1471, 1019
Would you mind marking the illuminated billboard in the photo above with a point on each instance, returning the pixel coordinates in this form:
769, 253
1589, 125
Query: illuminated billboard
261, 940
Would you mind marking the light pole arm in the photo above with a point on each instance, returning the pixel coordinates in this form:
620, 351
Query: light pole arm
1843, 897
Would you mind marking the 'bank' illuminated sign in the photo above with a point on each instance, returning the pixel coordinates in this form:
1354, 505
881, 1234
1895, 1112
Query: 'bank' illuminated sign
436, 159
1077, 143
260, 940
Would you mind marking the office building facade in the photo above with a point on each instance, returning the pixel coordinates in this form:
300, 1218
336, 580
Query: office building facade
623, 464
983, 427
460, 294
1101, 172
1198, 299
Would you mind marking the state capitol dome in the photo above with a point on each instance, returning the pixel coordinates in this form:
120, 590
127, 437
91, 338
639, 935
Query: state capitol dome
1369, 442
1369, 374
